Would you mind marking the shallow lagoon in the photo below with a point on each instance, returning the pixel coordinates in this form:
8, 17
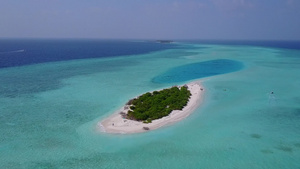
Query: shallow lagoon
239, 125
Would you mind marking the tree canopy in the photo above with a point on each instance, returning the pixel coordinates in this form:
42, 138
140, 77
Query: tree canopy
151, 106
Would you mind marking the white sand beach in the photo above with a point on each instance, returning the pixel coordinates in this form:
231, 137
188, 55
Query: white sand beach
117, 124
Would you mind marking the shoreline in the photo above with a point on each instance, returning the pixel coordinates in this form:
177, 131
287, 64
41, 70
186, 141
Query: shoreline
116, 124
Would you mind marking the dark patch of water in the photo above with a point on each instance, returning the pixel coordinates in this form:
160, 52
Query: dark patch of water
15, 82
284, 148
266, 151
198, 70
257, 136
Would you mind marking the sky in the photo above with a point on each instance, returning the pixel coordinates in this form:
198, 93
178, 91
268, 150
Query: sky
151, 19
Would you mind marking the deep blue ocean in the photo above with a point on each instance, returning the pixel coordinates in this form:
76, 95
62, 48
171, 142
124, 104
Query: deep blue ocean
19, 52
25, 52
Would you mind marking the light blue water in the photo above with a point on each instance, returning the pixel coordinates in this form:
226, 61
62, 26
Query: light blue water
52, 123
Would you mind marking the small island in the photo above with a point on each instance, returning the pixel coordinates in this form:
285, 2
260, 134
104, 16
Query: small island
155, 105
164, 41
155, 109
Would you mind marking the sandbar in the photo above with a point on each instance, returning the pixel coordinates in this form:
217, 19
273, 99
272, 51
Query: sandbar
117, 124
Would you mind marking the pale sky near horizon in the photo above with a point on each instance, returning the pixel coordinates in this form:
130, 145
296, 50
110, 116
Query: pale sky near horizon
151, 19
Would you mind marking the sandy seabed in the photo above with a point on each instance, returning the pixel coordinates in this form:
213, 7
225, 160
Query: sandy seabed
117, 124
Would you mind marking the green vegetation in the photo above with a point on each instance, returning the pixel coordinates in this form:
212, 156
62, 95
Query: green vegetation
151, 106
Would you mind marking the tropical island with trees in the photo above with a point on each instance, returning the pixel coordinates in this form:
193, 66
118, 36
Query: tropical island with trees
155, 109
155, 105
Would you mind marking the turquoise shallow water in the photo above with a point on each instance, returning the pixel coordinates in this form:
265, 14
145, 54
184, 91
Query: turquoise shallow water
239, 125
